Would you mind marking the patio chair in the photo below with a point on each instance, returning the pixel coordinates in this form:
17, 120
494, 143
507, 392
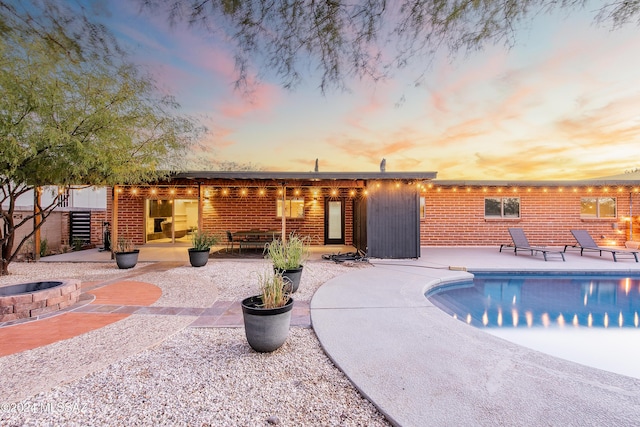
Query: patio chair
520, 242
229, 241
586, 243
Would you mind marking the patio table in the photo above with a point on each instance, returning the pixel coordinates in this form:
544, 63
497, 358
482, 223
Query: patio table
255, 238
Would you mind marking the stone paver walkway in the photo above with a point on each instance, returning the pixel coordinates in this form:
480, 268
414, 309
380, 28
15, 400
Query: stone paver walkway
103, 303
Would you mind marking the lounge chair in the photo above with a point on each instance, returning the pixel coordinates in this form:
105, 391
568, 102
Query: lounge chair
586, 243
520, 242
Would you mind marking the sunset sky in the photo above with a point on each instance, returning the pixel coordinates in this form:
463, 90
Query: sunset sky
564, 103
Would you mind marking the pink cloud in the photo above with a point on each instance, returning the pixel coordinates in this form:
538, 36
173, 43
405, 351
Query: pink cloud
261, 100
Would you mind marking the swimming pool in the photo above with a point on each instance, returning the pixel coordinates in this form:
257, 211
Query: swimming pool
543, 300
589, 319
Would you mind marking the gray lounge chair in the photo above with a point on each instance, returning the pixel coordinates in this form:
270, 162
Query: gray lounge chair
520, 242
586, 243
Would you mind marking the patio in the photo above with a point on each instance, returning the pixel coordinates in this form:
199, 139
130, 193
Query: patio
420, 367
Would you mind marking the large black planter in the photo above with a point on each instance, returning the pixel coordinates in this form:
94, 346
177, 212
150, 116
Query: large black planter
291, 277
198, 257
266, 329
127, 259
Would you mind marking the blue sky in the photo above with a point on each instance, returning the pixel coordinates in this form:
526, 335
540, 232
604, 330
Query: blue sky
563, 103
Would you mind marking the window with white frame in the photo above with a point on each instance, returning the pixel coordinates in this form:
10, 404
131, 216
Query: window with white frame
502, 207
293, 208
598, 207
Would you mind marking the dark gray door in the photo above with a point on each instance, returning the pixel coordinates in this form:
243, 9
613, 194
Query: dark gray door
393, 222
360, 224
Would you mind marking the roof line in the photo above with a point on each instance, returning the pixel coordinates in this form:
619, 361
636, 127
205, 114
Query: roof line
307, 176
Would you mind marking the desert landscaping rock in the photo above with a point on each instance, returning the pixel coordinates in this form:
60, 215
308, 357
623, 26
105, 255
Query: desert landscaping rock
155, 370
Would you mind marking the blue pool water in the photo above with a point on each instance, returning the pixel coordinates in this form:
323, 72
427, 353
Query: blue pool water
543, 300
591, 320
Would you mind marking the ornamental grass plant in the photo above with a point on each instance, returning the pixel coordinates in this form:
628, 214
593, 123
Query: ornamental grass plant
288, 254
274, 293
125, 245
203, 240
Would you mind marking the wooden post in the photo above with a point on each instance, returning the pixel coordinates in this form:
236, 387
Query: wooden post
200, 208
114, 220
631, 215
284, 213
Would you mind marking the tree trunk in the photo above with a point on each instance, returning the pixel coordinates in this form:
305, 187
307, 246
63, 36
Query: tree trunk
6, 255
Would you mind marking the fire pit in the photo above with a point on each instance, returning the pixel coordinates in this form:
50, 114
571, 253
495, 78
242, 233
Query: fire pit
35, 299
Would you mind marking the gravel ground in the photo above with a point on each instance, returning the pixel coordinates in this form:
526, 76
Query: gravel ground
155, 370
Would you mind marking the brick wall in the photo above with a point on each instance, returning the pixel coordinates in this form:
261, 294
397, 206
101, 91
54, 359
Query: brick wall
55, 229
97, 219
455, 216
229, 212
227, 206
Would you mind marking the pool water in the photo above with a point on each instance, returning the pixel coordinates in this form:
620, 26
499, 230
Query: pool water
592, 320
550, 301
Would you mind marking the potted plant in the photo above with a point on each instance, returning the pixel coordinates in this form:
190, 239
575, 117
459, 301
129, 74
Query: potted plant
126, 254
288, 257
267, 316
201, 245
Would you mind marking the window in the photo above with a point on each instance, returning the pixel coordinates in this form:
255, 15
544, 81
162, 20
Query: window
423, 211
293, 208
502, 207
598, 207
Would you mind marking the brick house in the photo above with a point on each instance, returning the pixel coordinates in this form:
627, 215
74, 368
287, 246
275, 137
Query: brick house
385, 213
478, 213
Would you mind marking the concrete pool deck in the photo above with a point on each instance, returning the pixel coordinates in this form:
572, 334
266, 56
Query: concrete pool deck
421, 367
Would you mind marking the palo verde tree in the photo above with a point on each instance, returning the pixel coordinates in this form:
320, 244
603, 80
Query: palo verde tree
74, 111
365, 38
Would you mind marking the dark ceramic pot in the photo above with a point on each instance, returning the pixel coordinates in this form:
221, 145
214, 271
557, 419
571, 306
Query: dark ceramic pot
127, 259
198, 257
266, 329
291, 277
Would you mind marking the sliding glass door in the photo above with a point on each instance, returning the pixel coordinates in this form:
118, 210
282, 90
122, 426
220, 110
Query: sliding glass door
169, 221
